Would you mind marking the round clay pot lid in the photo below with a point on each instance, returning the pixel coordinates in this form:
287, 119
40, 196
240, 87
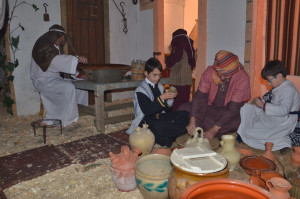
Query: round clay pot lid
199, 160
252, 164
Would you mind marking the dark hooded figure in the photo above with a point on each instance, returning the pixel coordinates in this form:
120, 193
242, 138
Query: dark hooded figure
58, 95
182, 62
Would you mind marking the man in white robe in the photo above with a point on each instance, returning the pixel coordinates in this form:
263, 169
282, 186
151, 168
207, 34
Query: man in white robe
58, 95
269, 120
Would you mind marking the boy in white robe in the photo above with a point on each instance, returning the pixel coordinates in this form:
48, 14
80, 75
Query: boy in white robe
269, 119
58, 95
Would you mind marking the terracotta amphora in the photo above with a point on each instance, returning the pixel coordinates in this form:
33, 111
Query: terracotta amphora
196, 141
296, 156
279, 187
122, 168
143, 139
229, 150
268, 153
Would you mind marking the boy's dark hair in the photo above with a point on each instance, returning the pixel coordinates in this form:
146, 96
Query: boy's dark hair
273, 68
152, 64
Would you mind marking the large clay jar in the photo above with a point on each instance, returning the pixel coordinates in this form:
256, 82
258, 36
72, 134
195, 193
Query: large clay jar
279, 187
268, 153
196, 141
224, 189
143, 139
180, 179
296, 156
122, 168
152, 172
229, 150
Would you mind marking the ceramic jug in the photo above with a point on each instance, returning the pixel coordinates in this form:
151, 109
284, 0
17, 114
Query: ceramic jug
268, 153
143, 139
122, 168
279, 187
196, 141
296, 156
229, 150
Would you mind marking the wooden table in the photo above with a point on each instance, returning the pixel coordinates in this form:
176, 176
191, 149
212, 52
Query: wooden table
99, 109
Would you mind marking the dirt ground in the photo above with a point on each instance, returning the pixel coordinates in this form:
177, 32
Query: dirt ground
78, 181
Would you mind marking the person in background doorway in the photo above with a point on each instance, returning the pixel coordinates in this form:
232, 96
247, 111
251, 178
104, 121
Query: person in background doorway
269, 119
223, 89
182, 62
152, 106
48, 61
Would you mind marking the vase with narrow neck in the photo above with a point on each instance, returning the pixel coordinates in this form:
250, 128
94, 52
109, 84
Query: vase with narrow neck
296, 156
122, 168
279, 187
229, 150
268, 153
143, 139
197, 141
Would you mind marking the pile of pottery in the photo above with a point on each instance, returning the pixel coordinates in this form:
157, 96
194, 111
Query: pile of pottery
262, 171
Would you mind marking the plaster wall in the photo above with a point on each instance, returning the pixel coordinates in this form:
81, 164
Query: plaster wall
27, 100
226, 21
190, 14
138, 42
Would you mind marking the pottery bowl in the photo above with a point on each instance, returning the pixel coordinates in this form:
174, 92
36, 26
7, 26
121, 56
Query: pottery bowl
152, 172
167, 152
224, 189
256, 164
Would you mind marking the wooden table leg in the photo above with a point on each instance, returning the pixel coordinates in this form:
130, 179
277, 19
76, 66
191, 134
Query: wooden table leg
99, 109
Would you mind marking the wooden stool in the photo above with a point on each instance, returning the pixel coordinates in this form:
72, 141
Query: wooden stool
40, 124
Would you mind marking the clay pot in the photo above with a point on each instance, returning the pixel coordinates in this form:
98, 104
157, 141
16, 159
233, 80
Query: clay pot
152, 172
259, 178
229, 150
196, 141
143, 139
167, 152
268, 153
224, 189
122, 168
253, 164
279, 187
180, 179
245, 152
296, 156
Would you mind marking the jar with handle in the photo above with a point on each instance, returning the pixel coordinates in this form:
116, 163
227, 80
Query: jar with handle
229, 150
279, 187
196, 141
143, 139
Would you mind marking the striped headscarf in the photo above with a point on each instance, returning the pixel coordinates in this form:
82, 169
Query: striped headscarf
226, 63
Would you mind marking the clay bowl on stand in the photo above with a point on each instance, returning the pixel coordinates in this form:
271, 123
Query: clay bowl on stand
254, 164
152, 172
224, 189
184, 138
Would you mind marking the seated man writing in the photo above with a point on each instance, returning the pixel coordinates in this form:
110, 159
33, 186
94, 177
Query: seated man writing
152, 106
48, 61
224, 88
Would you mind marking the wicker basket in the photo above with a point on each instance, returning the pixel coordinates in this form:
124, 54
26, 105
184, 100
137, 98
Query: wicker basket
138, 70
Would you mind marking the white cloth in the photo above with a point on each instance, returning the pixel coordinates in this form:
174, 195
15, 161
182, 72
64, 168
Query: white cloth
275, 124
58, 95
